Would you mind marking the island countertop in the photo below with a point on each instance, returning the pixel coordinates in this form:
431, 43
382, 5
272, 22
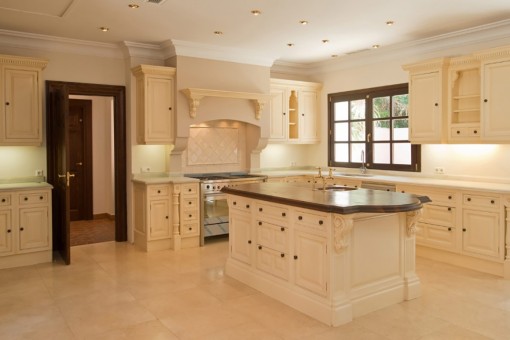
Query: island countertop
331, 201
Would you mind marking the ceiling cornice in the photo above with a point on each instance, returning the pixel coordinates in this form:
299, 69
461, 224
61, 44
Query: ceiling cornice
58, 44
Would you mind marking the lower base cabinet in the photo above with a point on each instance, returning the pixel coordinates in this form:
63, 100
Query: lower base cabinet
25, 227
326, 265
166, 216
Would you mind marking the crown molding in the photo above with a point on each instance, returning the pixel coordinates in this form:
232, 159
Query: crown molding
141, 50
58, 44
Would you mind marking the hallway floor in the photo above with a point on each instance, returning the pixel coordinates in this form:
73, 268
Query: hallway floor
92, 231
115, 291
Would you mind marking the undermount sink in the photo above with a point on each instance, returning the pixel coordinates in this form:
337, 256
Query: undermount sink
336, 188
356, 175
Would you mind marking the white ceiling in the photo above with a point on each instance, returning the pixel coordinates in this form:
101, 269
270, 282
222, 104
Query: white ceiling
349, 25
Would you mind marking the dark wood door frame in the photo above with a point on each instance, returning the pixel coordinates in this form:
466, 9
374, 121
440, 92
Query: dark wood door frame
119, 121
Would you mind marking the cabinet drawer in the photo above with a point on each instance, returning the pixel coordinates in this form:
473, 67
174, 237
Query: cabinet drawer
190, 229
190, 215
273, 236
481, 201
311, 221
5, 199
267, 211
189, 189
240, 203
33, 198
437, 214
273, 262
189, 203
437, 236
158, 190
437, 197
459, 132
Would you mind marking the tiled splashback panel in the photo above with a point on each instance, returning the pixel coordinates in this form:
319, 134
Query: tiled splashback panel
216, 149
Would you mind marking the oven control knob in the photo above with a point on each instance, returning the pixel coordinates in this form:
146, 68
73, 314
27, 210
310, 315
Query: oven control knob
207, 186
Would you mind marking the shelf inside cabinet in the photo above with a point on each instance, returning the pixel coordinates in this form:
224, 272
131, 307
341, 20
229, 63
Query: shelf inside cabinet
465, 95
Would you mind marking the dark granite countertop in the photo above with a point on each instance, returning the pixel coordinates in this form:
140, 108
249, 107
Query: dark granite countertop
332, 201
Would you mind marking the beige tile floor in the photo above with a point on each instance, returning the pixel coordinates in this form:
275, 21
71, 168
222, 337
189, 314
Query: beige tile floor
115, 291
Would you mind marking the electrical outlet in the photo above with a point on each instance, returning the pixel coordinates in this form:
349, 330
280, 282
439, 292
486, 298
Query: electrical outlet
146, 169
439, 170
39, 173
293, 163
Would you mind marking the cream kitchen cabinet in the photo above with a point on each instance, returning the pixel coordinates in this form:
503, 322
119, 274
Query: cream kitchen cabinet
294, 112
437, 226
495, 65
154, 104
240, 231
25, 227
427, 101
482, 232
20, 94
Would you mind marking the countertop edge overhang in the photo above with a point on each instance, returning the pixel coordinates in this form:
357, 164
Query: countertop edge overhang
338, 202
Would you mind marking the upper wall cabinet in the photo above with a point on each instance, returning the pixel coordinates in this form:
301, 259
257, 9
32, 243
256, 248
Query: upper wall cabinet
427, 104
495, 87
294, 112
464, 100
154, 104
478, 104
20, 95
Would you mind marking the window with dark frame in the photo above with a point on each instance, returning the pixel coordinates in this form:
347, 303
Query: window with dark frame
371, 126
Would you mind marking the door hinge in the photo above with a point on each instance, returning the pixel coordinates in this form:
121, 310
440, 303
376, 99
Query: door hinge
330, 132
416, 166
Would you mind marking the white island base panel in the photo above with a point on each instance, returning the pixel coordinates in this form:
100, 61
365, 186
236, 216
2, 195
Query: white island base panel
370, 265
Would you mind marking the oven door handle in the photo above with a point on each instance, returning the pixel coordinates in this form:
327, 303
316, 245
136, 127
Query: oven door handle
215, 197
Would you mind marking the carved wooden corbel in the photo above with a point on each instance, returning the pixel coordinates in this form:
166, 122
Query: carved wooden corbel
412, 222
342, 230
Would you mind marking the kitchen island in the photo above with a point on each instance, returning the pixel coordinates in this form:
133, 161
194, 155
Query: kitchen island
333, 254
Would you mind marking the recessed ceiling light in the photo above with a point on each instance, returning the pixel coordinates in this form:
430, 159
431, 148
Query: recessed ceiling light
375, 46
134, 6
325, 41
390, 23
303, 22
290, 44
334, 56
218, 32
256, 12
104, 29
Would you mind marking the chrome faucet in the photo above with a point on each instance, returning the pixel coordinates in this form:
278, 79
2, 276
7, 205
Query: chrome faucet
363, 168
319, 176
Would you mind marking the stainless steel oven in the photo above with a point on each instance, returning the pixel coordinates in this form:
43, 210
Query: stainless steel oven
214, 206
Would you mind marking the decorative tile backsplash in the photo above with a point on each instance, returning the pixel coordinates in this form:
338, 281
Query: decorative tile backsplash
216, 147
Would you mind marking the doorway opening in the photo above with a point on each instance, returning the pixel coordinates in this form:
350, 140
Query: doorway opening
91, 152
60, 161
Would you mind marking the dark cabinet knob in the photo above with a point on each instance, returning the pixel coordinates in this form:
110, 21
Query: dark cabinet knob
234, 203
249, 241
260, 223
449, 197
190, 202
485, 100
247, 206
159, 191
166, 217
8, 230
469, 199
260, 247
475, 132
3, 200
21, 229
449, 229
7, 103
300, 218
436, 104
282, 229
41, 198
260, 209
282, 255
321, 222
190, 216
449, 209
284, 113
458, 132
189, 190
190, 228
26, 198
492, 202
284, 214
463, 229
302, 114
403, 191
295, 257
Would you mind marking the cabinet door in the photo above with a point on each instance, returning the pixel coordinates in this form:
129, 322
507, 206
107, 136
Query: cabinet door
22, 119
481, 233
308, 112
272, 262
6, 232
33, 229
425, 107
278, 115
159, 107
496, 102
240, 236
311, 270
159, 219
